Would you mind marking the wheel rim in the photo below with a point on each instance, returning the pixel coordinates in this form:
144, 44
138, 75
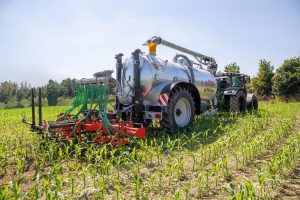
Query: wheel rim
182, 112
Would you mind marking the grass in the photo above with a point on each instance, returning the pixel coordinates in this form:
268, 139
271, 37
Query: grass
228, 156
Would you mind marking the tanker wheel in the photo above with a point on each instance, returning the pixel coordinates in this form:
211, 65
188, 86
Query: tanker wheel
253, 105
238, 102
180, 110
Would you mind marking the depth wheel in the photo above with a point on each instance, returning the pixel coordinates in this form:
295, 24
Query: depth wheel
180, 111
238, 102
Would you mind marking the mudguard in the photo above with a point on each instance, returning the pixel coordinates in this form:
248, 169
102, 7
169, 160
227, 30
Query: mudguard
231, 91
249, 98
189, 86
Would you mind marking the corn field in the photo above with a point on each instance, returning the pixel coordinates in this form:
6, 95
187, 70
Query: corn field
228, 156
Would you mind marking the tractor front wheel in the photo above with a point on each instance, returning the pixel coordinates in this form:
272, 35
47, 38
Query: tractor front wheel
238, 102
181, 110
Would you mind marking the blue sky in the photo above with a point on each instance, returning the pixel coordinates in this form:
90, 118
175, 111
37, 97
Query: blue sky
42, 40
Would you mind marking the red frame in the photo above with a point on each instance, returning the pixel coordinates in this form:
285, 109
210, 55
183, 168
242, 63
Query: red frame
93, 124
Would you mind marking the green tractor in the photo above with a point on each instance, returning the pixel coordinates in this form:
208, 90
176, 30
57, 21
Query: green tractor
232, 93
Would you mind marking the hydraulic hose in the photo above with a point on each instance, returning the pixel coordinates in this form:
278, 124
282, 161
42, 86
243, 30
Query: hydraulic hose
76, 103
190, 67
84, 103
106, 121
87, 94
92, 90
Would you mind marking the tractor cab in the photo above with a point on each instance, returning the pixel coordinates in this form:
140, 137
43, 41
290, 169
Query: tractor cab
231, 80
232, 94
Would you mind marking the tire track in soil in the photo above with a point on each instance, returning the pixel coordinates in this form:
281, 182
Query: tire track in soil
290, 189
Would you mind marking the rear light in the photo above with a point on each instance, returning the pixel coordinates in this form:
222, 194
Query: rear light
158, 116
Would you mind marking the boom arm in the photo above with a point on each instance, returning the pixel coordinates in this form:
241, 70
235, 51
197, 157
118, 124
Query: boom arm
212, 65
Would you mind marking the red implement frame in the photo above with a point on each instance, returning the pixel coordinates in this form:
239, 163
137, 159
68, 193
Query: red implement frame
94, 126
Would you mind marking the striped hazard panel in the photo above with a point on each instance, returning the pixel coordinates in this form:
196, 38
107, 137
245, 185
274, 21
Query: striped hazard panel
163, 99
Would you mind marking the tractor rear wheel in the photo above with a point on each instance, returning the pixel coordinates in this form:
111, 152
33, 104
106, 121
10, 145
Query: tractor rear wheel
238, 102
180, 110
253, 104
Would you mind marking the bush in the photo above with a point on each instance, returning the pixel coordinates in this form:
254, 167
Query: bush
36, 102
2, 106
64, 101
13, 104
286, 81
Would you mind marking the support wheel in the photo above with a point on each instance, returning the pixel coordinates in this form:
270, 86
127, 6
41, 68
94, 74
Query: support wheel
180, 111
238, 102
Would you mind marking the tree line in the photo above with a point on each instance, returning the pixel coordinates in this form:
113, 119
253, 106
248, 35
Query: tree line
13, 95
285, 82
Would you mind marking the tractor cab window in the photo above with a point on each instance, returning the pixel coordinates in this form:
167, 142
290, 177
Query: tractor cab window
223, 82
236, 81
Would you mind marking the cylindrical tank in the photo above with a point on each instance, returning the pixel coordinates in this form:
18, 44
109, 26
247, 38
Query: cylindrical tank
156, 74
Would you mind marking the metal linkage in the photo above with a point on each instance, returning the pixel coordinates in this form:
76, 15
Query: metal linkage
202, 59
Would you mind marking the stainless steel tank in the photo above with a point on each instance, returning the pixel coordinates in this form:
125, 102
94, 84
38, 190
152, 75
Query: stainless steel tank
156, 74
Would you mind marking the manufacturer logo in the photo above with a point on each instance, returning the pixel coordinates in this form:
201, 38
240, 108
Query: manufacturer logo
210, 82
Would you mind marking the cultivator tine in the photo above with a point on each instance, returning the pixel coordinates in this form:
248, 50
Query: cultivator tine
40, 127
40, 110
32, 110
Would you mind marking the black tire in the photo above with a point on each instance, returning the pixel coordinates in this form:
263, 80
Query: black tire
253, 105
238, 102
171, 117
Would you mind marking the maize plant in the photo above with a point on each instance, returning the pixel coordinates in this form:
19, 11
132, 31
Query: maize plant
227, 156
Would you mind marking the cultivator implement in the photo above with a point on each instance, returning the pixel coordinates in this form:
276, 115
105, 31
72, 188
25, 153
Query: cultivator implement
89, 118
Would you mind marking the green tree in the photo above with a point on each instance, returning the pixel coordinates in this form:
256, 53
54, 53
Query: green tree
23, 91
68, 87
8, 91
251, 85
232, 68
219, 73
263, 81
53, 92
286, 81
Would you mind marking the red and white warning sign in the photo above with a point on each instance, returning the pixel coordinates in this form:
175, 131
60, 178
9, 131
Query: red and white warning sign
163, 99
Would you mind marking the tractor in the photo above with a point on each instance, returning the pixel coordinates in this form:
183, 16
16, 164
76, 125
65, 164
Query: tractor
232, 93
